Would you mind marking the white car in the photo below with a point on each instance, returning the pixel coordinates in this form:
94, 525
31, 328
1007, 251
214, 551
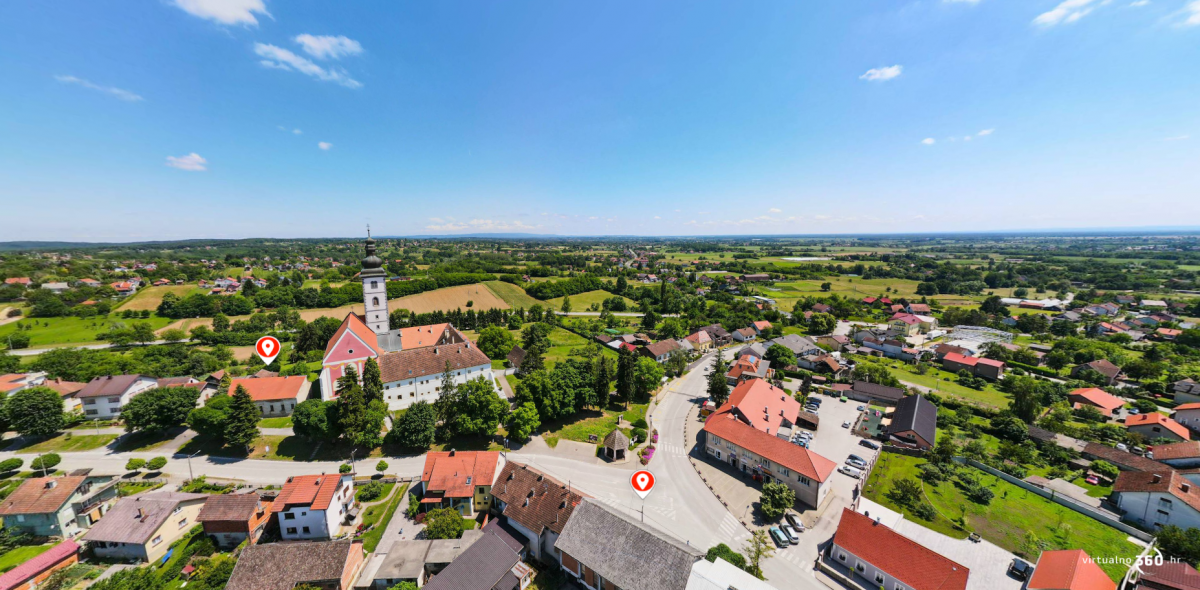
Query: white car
846, 424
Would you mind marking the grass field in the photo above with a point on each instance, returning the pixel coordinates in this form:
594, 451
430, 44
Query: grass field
70, 330
583, 301
67, 442
513, 295
150, 297
1012, 513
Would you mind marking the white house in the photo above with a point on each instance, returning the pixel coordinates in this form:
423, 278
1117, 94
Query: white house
103, 397
313, 506
1155, 500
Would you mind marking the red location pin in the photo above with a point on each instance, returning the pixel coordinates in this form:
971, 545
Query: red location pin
642, 482
267, 348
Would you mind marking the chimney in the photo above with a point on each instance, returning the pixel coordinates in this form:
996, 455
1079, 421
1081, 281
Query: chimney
1156, 478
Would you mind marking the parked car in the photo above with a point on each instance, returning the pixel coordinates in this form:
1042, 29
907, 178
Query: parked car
791, 534
851, 471
1020, 569
794, 522
870, 444
779, 538
846, 424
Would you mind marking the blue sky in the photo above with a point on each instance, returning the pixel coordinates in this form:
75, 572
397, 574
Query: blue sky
171, 119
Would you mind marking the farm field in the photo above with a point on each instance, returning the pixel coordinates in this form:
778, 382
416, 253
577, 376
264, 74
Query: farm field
584, 301
513, 295
1012, 514
150, 297
70, 330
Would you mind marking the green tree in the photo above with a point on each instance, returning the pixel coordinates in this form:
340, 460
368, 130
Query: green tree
372, 381
758, 547
776, 498
36, 412
718, 387
159, 409
443, 523
496, 342
415, 429
522, 422
481, 410
241, 424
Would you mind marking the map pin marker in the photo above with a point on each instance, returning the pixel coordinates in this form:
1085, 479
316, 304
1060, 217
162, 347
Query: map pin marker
267, 348
642, 482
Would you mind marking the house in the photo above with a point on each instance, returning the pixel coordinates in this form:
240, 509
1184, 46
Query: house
313, 506
1153, 425
864, 391
1171, 575
761, 326
749, 367
142, 527
717, 334
1184, 455
1096, 398
416, 561
722, 575
232, 518
1156, 499
914, 422
873, 553
647, 559
1109, 371
978, 366
330, 565
488, 564
659, 351
700, 341
461, 480
1186, 391
745, 334
536, 506
274, 396
103, 397
33, 572
58, 506
1068, 569
747, 438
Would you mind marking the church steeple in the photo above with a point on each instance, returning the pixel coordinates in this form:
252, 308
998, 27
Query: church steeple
374, 289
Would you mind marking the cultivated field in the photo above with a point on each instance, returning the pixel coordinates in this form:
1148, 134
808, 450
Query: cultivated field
150, 297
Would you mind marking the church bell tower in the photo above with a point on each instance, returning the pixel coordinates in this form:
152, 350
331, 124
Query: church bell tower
374, 281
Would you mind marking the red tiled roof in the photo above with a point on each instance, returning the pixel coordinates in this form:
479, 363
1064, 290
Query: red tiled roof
1070, 569
750, 398
29, 570
1152, 418
904, 559
1099, 398
262, 389
315, 491
457, 472
724, 424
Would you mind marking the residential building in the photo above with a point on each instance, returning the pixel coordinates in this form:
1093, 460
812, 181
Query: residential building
536, 506
878, 556
1154, 500
1109, 371
232, 518
33, 572
461, 480
103, 397
749, 367
142, 527
313, 506
274, 396
1153, 425
1068, 569
647, 559
659, 351
978, 366
1097, 398
330, 565
865, 391
488, 564
58, 506
914, 422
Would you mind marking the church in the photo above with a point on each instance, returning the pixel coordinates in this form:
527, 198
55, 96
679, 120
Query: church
411, 360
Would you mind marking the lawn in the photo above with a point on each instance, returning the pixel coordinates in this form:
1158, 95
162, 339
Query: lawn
513, 295
1012, 513
71, 330
584, 301
68, 442
278, 422
20, 555
381, 514
591, 422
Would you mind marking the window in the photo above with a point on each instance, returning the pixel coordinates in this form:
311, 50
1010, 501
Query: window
291, 530
289, 516
156, 540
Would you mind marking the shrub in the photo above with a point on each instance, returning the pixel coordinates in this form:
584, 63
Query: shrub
47, 461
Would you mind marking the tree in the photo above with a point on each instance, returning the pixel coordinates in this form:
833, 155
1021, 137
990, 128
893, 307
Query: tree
159, 409
626, 381
415, 429
156, 464
647, 375
241, 424
372, 381
776, 498
36, 412
718, 387
135, 464
723, 551
780, 356
481, 410
381, 466
496, 342
758, 547
443, 523
522, 422
315, 420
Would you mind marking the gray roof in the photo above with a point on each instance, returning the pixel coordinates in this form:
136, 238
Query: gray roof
486, 565
125, 524
282, 566
632, 555
917, 414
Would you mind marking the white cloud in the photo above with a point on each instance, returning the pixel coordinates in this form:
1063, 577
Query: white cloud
1192, 10
884, 74
774, 210
117, 92
1176, 138
191, 162
282, 59
325, 145
1067, 12
929, 141
986, 132
328, 46
482, 225
226, 12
